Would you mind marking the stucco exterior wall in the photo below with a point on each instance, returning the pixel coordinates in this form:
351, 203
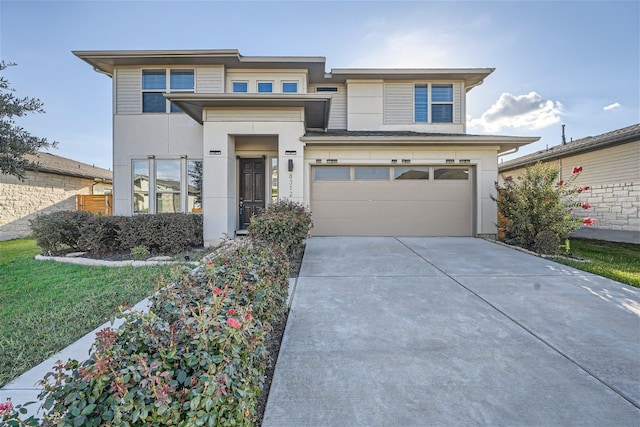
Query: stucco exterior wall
41, 193
135, 137
220, 160
613, 175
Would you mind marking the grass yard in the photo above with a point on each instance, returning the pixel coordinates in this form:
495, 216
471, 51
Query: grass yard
45, 306
617, 261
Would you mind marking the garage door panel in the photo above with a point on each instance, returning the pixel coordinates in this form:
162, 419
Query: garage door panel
393, 190
392, 208
391, 218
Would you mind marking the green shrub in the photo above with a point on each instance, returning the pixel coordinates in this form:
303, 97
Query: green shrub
197, 358
140, 252
101, 234
537, 201
284, 223
546, 242
164, 233
61, 230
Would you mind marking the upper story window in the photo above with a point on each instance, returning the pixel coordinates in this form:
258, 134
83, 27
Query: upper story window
154, 84
240, 87
433, 103
181, 81
265, 87
289, 87
421, 102
442, 103
330, 89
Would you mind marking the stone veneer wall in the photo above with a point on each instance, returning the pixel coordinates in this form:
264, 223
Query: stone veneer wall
40, 193
616, 206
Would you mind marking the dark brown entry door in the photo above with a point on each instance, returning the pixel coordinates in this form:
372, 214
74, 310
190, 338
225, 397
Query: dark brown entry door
251, 189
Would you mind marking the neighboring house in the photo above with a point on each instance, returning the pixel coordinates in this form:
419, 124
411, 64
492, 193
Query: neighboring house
611, 168
373, 152
50, 186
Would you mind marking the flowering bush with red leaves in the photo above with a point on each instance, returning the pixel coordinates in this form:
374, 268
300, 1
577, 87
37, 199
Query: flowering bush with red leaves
284, 223
537, 201
197, 357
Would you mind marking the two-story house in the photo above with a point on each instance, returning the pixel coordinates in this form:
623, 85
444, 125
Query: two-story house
373, 152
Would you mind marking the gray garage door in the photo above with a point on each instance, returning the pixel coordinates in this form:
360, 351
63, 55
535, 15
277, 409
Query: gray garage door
392, 200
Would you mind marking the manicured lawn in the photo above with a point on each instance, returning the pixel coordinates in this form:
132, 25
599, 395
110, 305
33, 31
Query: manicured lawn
617, 261
45, 306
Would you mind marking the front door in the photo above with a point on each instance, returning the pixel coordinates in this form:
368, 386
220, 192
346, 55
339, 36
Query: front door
251, 189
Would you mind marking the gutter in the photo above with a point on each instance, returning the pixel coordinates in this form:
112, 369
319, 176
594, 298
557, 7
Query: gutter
98, 70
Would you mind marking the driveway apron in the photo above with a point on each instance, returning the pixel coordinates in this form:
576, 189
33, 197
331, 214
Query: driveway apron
453, 331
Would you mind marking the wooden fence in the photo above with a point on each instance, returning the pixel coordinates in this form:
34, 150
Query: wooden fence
96, 203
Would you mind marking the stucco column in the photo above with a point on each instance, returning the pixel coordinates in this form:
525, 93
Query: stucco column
218, 184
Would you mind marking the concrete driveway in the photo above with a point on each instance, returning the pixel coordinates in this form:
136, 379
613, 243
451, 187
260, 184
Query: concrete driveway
453, 331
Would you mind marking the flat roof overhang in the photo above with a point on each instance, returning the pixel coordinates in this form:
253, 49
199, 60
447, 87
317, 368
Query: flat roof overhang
106, 61
505, 143
471, 76
316, 106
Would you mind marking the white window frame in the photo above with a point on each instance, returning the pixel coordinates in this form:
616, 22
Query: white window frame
431, 103
264, 81
240, 81
167, 85
296, 82
152, 191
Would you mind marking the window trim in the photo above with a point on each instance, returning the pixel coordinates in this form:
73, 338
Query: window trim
327, 89
168, 109
286, 82
259, 82
233, 84
152, 191
431, 103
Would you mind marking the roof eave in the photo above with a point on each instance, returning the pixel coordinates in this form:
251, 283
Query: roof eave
316, 106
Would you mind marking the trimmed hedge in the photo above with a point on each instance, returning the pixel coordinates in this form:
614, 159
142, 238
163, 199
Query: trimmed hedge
60, 230
284, 223
166, 233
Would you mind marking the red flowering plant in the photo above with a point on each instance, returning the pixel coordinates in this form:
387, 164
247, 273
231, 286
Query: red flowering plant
198, 357
536, 201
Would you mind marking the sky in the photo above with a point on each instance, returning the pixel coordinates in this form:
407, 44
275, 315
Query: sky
575, 63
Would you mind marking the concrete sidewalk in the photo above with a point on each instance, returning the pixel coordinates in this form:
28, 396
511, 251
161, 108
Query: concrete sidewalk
453, 331
26, 387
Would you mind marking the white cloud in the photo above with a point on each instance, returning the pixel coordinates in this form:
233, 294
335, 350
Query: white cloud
528, 111
611, 106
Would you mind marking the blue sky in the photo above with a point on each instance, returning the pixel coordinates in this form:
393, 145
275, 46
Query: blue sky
557, 62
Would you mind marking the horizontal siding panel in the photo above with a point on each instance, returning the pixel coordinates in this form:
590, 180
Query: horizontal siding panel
612, 165
398, 103
457, 103
128, 91
338, 113
608, 166
261, 115
210, 79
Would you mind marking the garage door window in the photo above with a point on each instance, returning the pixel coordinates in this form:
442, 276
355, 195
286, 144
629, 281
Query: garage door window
332, 174
411, 173
451, 173
371, 174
